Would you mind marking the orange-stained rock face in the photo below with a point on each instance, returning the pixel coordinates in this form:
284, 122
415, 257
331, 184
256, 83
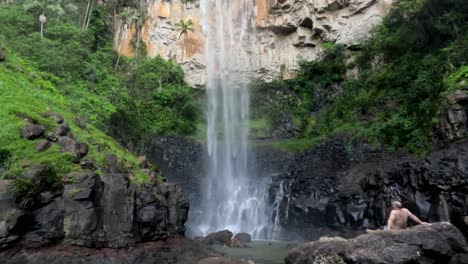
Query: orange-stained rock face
163, 9
124, 40
287, 31
263, 8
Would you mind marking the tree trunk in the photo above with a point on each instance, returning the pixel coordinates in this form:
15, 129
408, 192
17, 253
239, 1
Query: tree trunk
86, 15
89, 15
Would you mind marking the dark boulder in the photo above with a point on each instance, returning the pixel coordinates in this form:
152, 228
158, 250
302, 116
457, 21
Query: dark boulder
434, 243
82, 193
69, 144
221, 237
342, 186
32, 131
164, 211
117, 211
243, 237
43, 145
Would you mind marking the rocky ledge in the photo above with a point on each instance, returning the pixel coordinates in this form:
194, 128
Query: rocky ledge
432, 243
179, 250
94, 206
97, 211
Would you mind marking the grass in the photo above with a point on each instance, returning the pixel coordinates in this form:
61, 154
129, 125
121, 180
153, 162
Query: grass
29, 93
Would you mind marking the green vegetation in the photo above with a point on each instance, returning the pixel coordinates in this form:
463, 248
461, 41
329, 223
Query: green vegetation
80, 62
418, 53
26, 93
69, 67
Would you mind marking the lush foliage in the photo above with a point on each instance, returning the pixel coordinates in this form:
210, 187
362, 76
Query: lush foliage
83, 66
27, 93
73, 70
412, 59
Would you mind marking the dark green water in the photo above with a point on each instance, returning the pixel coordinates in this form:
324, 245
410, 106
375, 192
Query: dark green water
260, 251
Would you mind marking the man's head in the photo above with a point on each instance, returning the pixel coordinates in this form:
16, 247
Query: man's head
396, 205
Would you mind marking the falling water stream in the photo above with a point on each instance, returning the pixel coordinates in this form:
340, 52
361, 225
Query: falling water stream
232, 198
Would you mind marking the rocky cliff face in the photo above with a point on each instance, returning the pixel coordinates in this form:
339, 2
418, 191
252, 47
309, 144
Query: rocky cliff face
346, 186
94, 206
287, 31
341, 187
435, 243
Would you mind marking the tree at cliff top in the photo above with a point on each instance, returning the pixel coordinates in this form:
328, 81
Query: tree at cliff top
403, 72
81, 63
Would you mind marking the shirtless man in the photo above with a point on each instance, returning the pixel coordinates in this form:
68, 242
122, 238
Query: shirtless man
398, 218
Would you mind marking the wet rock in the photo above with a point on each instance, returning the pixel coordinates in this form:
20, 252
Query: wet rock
82, 192
222, 260
43, 145
243, 237
38, 174
221, 237
81, 150
32, 131
435, 243
179, 161
50, 217
117, 213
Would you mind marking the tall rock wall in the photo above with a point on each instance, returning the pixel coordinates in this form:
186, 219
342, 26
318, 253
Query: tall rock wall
287, 31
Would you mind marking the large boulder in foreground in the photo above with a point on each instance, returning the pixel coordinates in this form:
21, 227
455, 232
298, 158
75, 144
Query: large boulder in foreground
434, 243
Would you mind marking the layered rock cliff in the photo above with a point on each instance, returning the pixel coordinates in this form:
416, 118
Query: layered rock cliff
287, 31
341, 186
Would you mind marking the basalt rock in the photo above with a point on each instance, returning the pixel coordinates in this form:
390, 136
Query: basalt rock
43, 145
69, 144
180, 161
435, 243
243, 237
221, 237
32, 131
174, 251
222, 260
341, 186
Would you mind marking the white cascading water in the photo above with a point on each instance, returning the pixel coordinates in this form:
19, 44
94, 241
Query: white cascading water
231, 198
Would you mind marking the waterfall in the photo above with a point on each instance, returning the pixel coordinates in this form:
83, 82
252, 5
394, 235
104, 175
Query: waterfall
232, 198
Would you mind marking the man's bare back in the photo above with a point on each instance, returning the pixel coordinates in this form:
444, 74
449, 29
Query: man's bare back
399, 218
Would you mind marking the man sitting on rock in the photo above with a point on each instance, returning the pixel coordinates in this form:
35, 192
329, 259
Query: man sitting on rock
398, 218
